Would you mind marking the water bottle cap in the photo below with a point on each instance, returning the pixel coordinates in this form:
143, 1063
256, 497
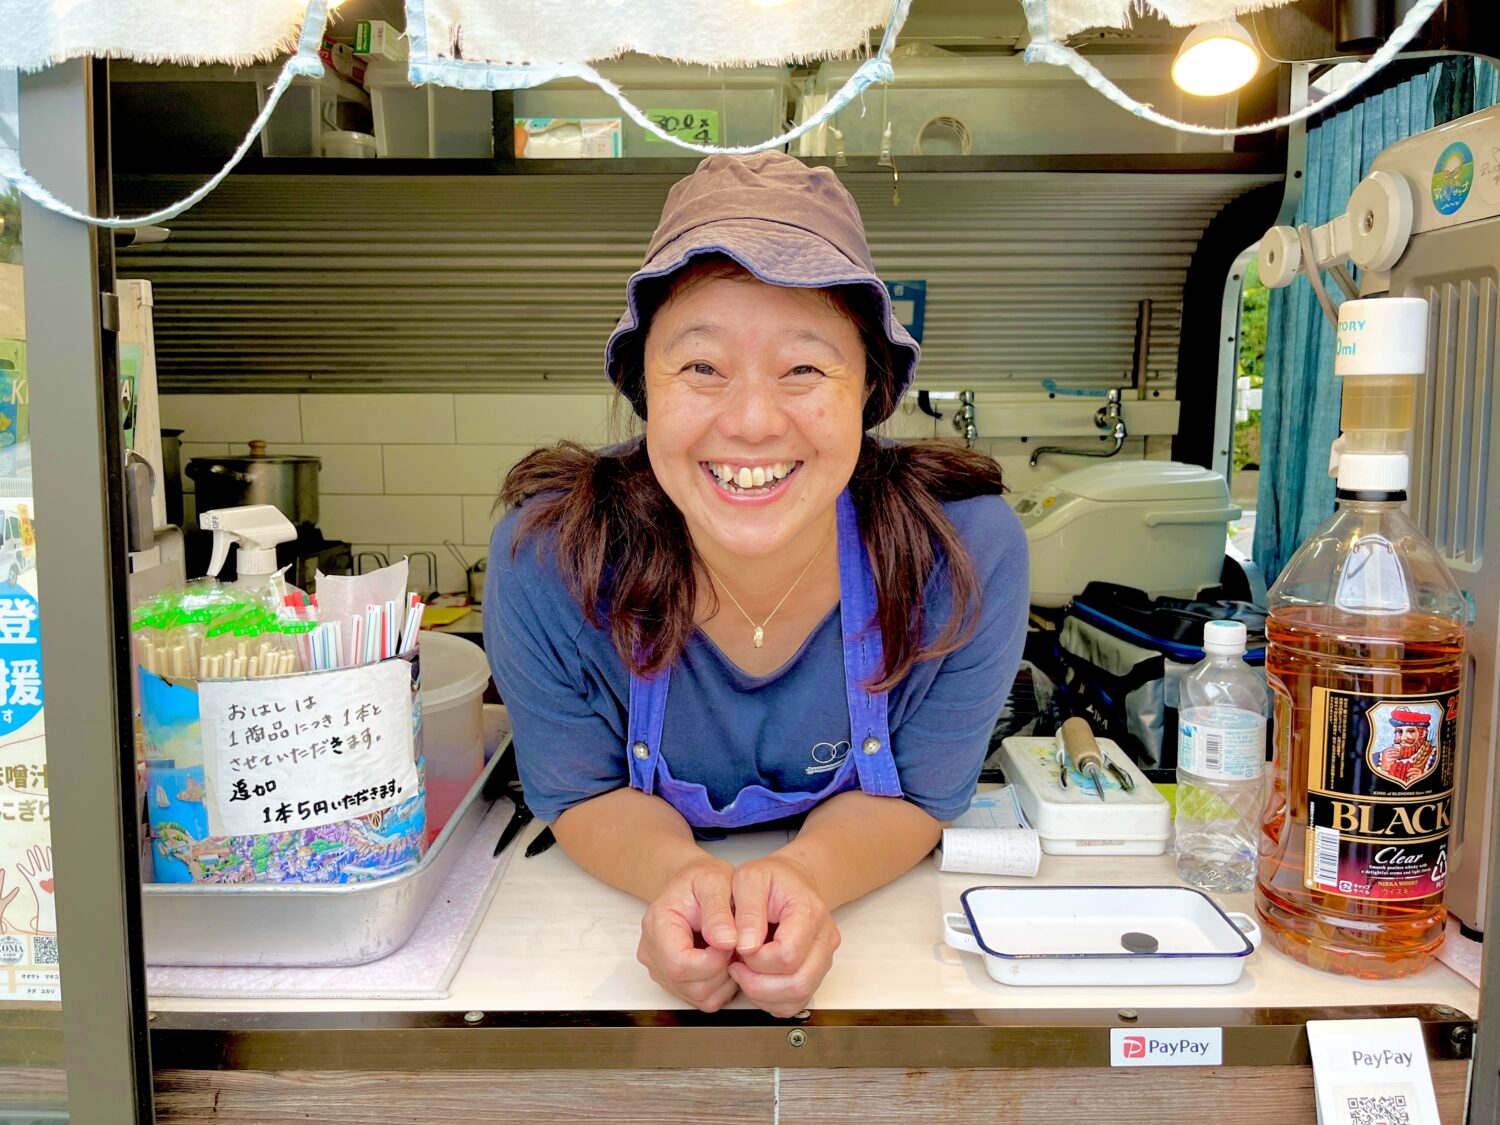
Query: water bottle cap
1224, 636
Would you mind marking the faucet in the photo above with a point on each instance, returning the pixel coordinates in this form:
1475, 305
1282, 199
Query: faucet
965, 418
1107, 417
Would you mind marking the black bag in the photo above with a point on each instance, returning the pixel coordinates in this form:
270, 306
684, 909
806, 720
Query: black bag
1124, 655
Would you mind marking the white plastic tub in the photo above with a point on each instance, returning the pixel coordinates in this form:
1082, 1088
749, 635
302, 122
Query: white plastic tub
1102, 935
428, 121
455, 673
956, 105
308, 110
751, 102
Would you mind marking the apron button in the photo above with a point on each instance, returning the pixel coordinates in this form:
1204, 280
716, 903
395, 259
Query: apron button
641, 751
871, 745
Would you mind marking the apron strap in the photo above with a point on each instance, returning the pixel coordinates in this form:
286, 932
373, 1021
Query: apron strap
648, 712
864, 659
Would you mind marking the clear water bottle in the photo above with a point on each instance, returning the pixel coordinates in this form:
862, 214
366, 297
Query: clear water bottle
1221, 755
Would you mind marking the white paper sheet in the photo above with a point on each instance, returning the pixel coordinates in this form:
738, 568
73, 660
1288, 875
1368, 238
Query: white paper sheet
991, 851
304, 751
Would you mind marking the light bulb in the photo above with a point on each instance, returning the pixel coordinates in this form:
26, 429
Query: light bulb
1215, 59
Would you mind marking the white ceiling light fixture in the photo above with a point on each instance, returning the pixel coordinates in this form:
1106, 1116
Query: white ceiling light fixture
1215, 59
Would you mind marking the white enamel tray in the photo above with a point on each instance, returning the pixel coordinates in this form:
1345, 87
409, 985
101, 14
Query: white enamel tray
1102, 935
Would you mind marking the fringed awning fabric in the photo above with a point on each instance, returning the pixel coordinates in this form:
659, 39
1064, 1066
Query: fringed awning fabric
513, 44
1069, 17
38, 33
709, 32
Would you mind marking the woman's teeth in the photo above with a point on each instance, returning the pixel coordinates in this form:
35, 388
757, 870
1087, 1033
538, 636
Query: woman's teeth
737, 478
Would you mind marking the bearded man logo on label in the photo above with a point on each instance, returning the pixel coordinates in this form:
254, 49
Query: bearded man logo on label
1407, 753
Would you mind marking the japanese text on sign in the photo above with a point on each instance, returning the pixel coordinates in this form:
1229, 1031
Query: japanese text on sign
306, 751
20, 660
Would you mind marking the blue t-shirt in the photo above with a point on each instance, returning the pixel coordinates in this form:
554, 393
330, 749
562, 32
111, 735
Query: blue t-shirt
568, 690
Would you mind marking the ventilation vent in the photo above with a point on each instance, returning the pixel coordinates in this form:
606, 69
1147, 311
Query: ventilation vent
1454, 419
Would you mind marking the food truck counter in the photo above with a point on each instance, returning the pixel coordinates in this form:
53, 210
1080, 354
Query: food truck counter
549, 1003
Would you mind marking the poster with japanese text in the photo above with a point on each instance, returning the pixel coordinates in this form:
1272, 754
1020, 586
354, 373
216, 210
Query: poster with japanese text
28, 916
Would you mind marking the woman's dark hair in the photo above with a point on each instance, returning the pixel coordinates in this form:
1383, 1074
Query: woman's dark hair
623, 547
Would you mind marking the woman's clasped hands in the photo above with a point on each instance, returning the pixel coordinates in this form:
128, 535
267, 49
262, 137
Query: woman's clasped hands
761, 928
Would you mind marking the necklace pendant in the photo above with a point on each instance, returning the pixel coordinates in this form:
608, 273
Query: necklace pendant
760, 636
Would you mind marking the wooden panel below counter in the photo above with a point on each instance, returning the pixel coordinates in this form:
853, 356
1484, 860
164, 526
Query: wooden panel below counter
1229, 1095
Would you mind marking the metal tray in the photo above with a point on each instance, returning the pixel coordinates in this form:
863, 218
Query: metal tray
1095, 935
305, 924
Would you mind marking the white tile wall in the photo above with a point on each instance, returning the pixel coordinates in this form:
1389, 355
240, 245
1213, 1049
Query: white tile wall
479, 518
380, 418
400, 473
233, 418
535, 419
467, 469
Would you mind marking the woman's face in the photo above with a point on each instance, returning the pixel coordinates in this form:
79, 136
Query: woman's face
754, 395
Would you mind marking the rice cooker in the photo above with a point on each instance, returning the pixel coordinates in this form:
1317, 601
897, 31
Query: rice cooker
1159, 526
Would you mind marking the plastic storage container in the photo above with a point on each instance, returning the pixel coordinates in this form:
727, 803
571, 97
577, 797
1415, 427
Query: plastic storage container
1071, 820
308, 109
953, 106
428, 121
1157, 526
454, 676
751, 103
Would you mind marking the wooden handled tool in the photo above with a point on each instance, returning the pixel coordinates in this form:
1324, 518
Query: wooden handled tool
1083, 751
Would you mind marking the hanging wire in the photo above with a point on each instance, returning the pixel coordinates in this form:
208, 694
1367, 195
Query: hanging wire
1044, 49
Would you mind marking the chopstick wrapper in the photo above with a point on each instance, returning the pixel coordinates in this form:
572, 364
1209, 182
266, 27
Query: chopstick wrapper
991, 851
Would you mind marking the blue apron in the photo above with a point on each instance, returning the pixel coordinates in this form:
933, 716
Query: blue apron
869, 764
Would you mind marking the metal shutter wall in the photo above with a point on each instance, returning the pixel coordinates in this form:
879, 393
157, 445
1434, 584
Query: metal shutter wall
278, 283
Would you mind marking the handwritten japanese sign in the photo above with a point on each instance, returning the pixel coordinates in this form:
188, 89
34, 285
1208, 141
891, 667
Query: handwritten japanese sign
306, 751
701, 126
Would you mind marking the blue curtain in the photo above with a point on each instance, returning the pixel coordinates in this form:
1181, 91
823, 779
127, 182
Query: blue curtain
1300, 399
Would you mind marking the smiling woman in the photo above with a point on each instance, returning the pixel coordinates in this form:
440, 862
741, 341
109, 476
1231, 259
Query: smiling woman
873, 595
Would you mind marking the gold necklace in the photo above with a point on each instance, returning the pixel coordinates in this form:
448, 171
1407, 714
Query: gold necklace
760, 630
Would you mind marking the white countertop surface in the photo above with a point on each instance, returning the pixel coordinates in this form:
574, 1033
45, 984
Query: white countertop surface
555, 938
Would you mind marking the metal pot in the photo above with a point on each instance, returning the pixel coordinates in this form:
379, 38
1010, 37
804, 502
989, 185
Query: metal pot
171, 474
287, 481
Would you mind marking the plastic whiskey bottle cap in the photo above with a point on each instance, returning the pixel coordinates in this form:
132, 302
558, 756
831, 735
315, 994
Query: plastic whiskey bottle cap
1369, 474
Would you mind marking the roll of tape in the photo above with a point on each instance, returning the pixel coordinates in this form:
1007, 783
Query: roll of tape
1279, 257
1381, 211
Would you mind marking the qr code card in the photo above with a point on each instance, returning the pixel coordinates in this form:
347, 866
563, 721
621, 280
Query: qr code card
1392, 1103
1371, 1072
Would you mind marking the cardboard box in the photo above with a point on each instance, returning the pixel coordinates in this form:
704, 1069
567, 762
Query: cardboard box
376, 39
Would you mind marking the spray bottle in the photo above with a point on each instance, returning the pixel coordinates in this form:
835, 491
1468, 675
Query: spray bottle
255, 642
1364, 657
255, 529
